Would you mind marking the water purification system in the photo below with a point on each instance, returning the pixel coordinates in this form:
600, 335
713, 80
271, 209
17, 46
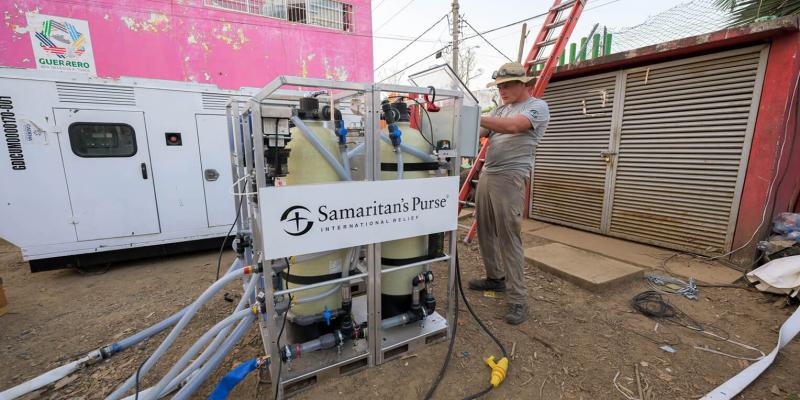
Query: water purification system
350, 214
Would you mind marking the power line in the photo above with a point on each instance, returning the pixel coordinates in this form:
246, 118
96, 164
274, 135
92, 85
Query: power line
395, 15
483, 33
413, 64
412, 42
378, 5
487, 42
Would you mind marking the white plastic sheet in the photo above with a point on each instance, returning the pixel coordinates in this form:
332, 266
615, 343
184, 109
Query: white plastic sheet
733, 386
780, 276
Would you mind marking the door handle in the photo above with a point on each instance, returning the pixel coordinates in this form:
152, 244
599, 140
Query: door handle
606, 155
144, 171
211, 175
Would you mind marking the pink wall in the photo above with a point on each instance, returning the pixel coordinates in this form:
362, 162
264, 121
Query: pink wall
185, 40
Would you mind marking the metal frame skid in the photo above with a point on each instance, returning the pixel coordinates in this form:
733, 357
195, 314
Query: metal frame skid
363, 123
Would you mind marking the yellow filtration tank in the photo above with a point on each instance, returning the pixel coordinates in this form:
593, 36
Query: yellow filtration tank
307, 166
396, 287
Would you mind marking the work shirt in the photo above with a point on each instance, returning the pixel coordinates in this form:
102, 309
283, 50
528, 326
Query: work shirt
509, 152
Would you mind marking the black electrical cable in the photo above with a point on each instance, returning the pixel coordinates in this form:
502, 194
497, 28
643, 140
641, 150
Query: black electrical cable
448, 356
652, 305
136, 396
442, 371
225, 240
430, 123
487, 41
412, 42
277, 382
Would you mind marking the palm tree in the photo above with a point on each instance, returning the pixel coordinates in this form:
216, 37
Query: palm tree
748, 11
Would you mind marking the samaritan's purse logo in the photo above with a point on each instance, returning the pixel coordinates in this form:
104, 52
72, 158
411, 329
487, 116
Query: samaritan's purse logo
61, 44
296, 220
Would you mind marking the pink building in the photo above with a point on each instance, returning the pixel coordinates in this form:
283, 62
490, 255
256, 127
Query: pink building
229, 43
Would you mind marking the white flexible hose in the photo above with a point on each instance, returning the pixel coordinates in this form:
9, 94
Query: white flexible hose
213, 289
220, 330
48, 377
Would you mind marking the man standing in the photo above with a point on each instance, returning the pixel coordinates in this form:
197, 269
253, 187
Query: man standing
514, 129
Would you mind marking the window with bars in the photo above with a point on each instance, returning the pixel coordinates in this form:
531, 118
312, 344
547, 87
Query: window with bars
330, 14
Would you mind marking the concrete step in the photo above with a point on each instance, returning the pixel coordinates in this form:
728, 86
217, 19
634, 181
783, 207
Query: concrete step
642, 255
586, 269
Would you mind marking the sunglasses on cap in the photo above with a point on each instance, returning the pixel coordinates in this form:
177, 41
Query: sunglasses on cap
504, 73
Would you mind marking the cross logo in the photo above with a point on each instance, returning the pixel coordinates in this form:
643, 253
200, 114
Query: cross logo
296, 221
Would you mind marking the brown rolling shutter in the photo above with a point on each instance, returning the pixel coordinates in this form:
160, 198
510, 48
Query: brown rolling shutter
569, 174
682, 150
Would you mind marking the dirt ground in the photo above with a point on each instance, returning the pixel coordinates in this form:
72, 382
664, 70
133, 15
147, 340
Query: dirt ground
572, 348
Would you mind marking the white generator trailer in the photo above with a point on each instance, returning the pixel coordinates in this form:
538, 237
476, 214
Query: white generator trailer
98, 170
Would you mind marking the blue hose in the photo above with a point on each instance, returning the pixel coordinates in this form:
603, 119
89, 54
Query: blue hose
231, 379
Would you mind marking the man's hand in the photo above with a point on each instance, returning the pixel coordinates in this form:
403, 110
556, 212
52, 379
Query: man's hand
512, 125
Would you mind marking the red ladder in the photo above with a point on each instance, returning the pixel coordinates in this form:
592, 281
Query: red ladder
554, 20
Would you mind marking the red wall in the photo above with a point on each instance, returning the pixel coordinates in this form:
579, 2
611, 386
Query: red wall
770, 130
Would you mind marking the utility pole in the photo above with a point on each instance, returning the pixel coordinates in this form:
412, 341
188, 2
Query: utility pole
522, 41
456, 24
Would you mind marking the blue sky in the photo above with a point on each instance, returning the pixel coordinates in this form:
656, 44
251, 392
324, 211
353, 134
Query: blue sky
399, 19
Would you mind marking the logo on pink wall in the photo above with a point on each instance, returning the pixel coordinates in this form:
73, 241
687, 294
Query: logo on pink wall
61, 44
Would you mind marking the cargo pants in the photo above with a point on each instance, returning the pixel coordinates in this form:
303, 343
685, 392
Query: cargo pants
499, 201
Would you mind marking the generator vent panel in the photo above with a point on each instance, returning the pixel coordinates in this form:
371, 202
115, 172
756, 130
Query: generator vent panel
95, 94
214, 101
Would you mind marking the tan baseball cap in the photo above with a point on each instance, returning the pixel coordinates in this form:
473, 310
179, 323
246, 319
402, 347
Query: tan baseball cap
509, 72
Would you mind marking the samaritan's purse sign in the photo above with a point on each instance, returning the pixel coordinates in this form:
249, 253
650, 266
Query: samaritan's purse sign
312, 218
61, 44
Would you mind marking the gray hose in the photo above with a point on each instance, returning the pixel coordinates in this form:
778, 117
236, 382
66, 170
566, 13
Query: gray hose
220, 330
226, 348
209, 351
231, 319
156, 328
397, 320
410, 150
345, 161
399, 155
162, 348
312, 138
334, 289
356, 150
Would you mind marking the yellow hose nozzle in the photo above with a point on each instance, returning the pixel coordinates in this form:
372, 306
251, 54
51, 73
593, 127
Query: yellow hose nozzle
498, 370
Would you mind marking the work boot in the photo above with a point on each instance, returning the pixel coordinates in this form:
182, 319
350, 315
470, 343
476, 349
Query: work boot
497, 285
517, 313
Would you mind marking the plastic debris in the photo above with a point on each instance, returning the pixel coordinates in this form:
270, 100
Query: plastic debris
668, 348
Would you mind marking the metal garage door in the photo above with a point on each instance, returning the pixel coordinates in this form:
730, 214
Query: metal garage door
679, 140
570, 176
